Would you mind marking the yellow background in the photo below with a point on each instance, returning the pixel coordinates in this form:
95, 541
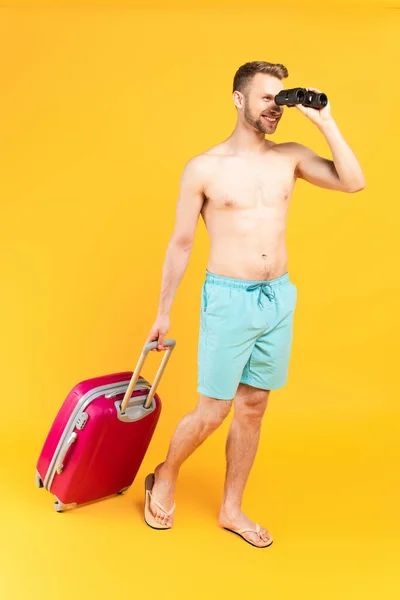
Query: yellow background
101, 107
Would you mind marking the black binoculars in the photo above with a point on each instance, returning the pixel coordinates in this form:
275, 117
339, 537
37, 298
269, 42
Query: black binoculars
301, 96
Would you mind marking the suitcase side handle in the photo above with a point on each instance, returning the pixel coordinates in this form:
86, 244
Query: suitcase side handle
60, 463
146, 349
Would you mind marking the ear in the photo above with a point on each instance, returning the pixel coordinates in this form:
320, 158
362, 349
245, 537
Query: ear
238, 99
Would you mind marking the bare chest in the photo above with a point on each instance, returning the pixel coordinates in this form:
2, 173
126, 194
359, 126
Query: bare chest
237, 183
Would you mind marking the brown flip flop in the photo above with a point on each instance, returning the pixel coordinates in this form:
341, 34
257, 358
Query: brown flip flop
148, 515
257, 530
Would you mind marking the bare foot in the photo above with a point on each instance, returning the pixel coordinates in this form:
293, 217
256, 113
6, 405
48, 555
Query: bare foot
163, 491
237, 520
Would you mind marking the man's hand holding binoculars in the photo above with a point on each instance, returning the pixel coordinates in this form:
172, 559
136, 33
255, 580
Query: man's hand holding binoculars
310, 101
318, 117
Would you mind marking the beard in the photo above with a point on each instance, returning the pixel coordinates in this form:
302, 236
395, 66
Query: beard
255, 122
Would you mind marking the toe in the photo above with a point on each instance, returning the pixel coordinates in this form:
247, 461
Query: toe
260, 543
259, 540
254, 539
266, 537
163, 519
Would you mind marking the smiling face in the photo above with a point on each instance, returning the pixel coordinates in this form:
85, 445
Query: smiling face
260, 110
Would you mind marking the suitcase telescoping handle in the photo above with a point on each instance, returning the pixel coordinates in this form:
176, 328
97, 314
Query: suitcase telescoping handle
146, 349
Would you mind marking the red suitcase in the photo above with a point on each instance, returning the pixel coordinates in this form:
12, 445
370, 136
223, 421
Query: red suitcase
100, 435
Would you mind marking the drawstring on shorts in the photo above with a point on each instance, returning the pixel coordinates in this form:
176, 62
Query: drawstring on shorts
265, 288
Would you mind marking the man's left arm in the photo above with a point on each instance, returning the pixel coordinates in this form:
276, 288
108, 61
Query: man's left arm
344, 172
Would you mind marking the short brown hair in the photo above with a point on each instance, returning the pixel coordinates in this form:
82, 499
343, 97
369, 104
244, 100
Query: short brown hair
246, 72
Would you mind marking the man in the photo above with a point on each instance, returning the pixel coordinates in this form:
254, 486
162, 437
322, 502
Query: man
242, 188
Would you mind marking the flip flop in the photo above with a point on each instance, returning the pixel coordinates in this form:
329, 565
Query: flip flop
148, 515
257, 530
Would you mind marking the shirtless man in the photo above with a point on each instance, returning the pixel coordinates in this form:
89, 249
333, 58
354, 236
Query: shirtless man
242, 189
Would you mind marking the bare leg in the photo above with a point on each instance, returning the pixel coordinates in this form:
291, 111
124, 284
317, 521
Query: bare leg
191, 431
241, 447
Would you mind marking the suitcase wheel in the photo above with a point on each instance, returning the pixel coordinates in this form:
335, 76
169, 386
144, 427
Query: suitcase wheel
122, 491
39, 481
60, 507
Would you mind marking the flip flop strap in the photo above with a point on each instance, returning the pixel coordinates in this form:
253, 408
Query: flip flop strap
256, 530
161, 507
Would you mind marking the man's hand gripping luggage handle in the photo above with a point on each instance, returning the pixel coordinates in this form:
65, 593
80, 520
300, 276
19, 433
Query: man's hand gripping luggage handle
146, 349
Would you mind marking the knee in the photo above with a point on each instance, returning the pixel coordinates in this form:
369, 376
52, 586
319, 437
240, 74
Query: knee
213, 412
250, 408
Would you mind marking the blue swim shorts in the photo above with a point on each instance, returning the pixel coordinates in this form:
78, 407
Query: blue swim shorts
246, 330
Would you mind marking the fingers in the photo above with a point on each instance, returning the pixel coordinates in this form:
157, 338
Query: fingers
152, 337
161, 346
158, 332
159, 338
311, 89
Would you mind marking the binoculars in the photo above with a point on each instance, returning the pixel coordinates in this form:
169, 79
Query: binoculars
301, 96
